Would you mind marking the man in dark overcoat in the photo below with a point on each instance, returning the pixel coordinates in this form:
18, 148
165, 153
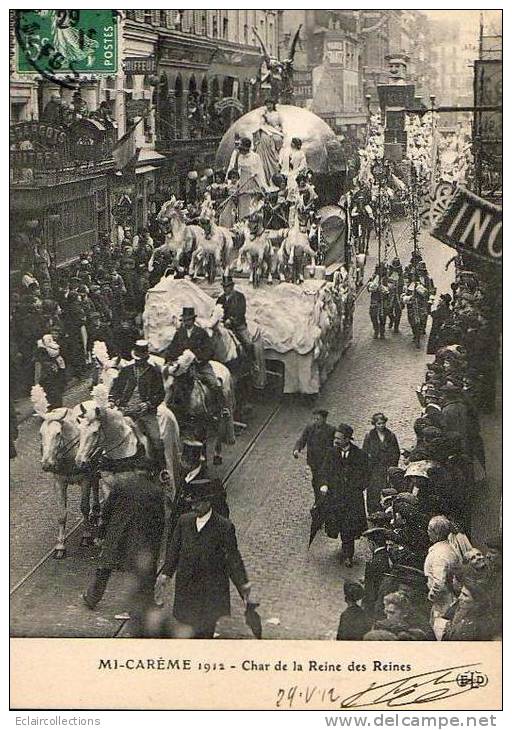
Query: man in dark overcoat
203, 553
234, 305
345, 473
317, 438
131, 531
375, 568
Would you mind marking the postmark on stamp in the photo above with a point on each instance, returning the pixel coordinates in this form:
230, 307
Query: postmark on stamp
62, 44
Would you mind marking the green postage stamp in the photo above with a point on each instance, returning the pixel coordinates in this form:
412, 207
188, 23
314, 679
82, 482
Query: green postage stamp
57, 42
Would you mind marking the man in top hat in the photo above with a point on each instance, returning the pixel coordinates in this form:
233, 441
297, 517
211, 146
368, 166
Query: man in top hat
344, 476
138, 391
203, 553
234, 305
189, 336
317, 438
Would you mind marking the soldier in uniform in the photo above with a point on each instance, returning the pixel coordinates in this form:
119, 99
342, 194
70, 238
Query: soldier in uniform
317, 437
138, 391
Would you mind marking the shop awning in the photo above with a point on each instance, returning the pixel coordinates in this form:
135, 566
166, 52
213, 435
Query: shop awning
145, 168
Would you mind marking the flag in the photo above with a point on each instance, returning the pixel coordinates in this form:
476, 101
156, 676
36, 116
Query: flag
124, 150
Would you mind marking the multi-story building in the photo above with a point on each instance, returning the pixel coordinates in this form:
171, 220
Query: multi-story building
184, 77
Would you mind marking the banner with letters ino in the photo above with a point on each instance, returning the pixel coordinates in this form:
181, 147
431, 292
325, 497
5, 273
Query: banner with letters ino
472, 225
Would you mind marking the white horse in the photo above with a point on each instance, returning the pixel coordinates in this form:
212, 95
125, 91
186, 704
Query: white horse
201, 407
213, 252
292, 255
105, 432
181, 239
59, 443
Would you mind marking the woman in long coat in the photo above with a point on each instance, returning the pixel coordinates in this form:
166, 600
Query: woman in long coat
381, 446
346, 474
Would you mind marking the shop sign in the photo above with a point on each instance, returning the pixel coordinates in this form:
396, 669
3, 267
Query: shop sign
472, 225
37, 132
302, 84
140, 65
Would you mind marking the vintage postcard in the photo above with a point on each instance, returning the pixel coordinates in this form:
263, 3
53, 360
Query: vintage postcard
255, 411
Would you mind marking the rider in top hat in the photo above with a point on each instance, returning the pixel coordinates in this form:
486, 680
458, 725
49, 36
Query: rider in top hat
234, 306
189, 336
138, 391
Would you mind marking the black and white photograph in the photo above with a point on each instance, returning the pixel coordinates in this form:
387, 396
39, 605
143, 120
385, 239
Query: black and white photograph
255, 308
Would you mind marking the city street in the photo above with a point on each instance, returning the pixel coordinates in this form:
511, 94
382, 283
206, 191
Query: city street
269, 494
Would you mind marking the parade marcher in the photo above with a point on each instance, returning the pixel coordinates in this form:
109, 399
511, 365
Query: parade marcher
383, 451
379, 301
396, 288
317, 438
189, 336
234, 305
138, 391
345, 473
130, 533
354, 622
50, 370
416, 298
204, 555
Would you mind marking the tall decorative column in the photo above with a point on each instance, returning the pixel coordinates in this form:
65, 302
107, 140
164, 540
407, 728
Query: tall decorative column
395, 98
184, 114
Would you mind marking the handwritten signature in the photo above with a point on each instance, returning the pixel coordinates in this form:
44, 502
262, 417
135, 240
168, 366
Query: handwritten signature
438, 684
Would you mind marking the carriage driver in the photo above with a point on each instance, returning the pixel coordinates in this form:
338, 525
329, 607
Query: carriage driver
234, 306
138, 391
189, 336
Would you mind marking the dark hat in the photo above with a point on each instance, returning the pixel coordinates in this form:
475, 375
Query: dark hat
245, 143
406, 498
200, 489
227, 280
345, 429
378, 519
140, 349
188, 312
320, 412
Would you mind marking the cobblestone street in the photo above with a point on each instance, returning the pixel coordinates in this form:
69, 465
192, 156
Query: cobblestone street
269, 494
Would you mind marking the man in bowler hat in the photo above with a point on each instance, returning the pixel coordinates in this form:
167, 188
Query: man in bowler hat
203, 553
344, 475
317, 438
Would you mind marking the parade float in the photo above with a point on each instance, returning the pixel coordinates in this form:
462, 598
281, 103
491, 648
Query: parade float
306, 327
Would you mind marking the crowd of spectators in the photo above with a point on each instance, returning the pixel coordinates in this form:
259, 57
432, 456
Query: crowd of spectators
424, 580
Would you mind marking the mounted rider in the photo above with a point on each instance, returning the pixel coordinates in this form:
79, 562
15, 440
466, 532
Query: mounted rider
234, 305
138, 391
190, 336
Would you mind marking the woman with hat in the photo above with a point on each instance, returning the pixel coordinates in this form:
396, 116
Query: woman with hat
344, 476
252, 181
383, 451
203, 553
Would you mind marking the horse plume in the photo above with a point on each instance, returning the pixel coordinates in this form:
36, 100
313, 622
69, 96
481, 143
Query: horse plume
100, 395
39, 400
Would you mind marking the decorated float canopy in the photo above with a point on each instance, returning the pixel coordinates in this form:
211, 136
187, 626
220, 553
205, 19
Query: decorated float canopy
322, 149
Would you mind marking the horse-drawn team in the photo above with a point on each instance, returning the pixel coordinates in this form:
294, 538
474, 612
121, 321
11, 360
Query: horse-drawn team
142, 412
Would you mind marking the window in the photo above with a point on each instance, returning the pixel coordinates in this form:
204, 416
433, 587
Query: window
204, 25
215, 26
130, 15
246, 34
225, 27
163, 18
148, 17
